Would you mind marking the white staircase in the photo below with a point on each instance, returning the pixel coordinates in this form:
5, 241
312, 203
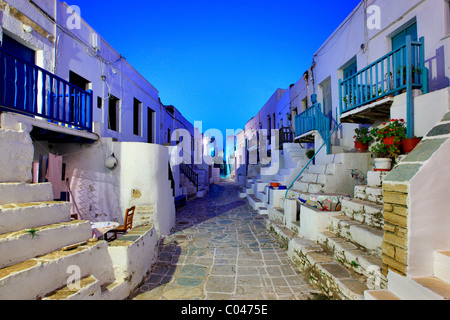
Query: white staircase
434, 287
42, 250
339, 250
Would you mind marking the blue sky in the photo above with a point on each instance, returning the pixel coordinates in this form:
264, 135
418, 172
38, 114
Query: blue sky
217, 61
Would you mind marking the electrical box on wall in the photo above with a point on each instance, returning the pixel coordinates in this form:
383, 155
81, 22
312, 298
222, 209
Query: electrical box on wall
95, 42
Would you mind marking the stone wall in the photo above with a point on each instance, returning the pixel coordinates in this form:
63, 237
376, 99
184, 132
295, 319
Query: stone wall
416, 205
395, 227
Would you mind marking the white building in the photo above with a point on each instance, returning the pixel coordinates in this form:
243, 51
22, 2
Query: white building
387, 60
75, 113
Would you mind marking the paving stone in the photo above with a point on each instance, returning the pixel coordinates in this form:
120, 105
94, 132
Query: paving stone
221, 249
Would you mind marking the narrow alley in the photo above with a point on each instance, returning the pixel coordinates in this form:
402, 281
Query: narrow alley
220, 249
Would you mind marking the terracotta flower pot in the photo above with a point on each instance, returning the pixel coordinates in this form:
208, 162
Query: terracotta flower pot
361, 147
274, 184
410, 144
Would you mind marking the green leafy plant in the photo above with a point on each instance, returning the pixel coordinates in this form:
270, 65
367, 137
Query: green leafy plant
363, 135
310, 153
33, 233
382, 150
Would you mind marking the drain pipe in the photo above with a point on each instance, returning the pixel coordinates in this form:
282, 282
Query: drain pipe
311, 160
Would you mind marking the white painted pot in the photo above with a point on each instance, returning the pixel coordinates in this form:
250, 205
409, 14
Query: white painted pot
383, 164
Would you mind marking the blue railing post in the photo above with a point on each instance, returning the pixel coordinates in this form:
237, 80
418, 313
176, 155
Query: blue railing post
409, 97
90, 113
340, 96
2, 79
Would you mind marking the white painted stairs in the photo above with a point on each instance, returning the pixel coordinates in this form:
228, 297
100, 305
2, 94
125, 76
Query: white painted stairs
434, 287
345, 260
39, 242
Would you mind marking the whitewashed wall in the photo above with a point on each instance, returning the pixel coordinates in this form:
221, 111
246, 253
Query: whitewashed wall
75, 53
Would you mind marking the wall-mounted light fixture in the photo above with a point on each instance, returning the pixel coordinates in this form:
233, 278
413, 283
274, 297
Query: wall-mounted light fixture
111, 162
27, 28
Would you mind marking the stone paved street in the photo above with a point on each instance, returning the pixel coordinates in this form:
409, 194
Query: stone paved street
220, 249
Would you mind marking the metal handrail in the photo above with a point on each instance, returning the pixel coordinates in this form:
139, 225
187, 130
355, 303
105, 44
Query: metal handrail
190, 174
311, 160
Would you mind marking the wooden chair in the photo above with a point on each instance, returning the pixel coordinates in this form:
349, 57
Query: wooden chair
128, 224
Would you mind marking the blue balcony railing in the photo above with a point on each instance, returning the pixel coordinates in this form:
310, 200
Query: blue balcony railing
28, 89
313, 119
400, 69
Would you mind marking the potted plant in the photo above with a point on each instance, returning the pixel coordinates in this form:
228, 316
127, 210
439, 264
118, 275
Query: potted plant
409, 144
384, 155
310, 153
362, 138
391, 133
415, 72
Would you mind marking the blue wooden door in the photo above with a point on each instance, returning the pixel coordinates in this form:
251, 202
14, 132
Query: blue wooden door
399, 41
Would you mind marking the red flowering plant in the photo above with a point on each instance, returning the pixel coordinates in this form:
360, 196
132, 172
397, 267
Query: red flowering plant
395, 129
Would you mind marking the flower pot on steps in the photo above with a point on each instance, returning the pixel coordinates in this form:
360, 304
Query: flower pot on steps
410, 144
361, 147
383, 164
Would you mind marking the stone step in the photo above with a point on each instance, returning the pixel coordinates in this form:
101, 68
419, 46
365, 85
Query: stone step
292, 147
261, 195
366, 212
322, 168
369, 193
89, 288
421, 288
20, 216
276, 214
319, 178
441, 266
263, 211
334, 197
381, 295
19, 246
25, 192
254, 202
308, 187
375, 178
321, 268
369, 238
36, 277
351, 256
242, 193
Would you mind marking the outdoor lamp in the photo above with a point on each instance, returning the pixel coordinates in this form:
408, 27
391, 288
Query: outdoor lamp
27, 28
111, 162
